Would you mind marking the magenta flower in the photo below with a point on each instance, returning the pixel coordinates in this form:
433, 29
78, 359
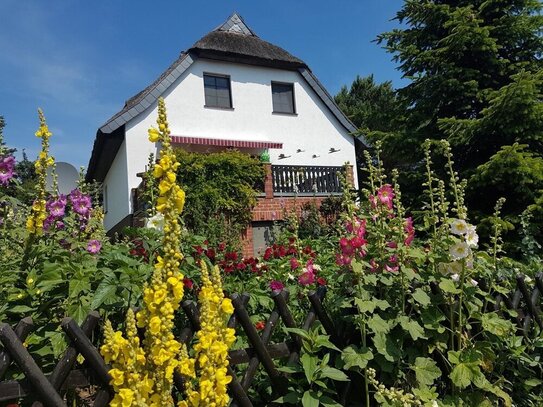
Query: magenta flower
294, 263
409, 230
81, 203
7, 167
276, 285
306, 278
385, 195
94, 246
342, 260
57, 207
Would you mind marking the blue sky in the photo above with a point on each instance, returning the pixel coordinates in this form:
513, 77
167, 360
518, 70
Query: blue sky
80, 60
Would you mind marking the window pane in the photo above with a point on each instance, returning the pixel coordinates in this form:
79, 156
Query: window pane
217, 91
283, 98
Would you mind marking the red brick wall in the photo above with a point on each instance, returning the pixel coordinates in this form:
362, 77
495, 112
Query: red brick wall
271, 208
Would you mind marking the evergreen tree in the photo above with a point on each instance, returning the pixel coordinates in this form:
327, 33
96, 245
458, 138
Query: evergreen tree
476, 79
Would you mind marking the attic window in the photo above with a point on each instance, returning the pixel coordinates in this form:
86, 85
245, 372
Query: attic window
217, 91
283, 98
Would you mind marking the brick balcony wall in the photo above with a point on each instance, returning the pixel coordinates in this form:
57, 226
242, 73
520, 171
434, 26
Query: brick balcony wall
274, 208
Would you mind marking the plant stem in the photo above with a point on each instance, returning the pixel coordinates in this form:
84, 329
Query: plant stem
460, 303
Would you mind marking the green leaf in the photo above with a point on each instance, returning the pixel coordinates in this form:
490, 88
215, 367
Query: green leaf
20, 309
462, 375
386, 347
289, 398
310, 399
328, 402
334, 374
298, 331
104, 293
421, 297
309, 363
357, 267
494, 324
426, 371
448, 286
76, 286
323, 342
413, 327
354, 357
378, 324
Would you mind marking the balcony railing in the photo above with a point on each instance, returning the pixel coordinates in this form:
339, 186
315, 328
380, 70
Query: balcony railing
302, 179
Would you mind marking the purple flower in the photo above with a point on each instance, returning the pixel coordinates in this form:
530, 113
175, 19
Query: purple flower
7, 166
57, 207
81, 203
94, 246
276, 285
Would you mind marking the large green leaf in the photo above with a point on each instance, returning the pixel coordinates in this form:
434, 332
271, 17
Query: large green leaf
426, 371
413, 327
310, 399
494, 324
448, 286
421, 297
354, 357
104, 293
464, 374
378, 324
334, 374
76, 286
309, 364
386, 346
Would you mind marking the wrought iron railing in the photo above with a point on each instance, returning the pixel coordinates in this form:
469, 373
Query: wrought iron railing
304, 179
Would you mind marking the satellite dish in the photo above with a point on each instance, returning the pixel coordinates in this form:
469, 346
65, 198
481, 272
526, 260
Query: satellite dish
67, 178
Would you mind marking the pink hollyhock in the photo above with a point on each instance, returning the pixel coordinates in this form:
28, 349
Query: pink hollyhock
386, 195
342, 260
276, 285
7, 167
268, 253
409, 230
357, 242
57, 207
392, 269
373, 201
294, 263
392, 245
346, 246
94, 246
374, 265
309, 266
306, 278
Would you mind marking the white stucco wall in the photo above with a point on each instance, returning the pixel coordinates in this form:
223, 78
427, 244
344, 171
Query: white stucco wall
313, 129
118, 190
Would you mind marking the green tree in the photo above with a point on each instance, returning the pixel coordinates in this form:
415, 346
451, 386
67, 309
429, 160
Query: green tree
475, 79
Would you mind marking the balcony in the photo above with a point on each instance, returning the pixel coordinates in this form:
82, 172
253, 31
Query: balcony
303, 180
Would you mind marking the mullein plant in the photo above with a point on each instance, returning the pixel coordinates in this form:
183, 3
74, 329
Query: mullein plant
38, 214
142, 373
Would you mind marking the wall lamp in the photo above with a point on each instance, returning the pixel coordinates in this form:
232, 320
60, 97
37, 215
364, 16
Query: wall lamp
283, 156
333, 150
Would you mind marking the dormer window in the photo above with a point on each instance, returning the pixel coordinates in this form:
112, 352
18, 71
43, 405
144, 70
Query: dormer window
283, 98
217, 91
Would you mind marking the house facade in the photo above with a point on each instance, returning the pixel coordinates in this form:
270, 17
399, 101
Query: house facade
231, 89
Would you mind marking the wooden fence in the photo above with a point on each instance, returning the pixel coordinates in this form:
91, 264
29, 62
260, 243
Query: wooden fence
50, 390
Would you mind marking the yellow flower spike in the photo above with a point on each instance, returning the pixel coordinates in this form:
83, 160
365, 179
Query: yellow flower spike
38, 213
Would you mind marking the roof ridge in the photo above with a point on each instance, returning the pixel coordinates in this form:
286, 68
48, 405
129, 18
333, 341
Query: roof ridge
236, 24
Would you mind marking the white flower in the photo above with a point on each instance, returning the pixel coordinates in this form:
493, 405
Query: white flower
156, 222
317, 267
472, 238
455, 277
290, 276
473, 282
434, 404
459, 227
459, 251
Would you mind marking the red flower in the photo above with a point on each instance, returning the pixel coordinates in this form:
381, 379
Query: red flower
268, 253
210, 253
222, 246
188, 283
231, 256
306, 278
294, 263
307, 250
260, 325
198, 249
241, 266
321, 281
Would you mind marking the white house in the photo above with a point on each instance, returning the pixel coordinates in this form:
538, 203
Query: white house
230, 89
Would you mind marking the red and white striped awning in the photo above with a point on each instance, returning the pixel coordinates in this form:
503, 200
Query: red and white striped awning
224, 142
